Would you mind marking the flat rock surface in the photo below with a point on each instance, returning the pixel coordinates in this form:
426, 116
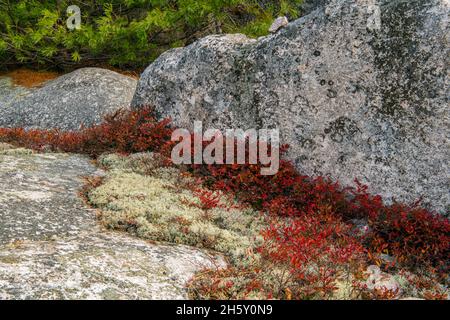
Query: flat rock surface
51, 246
96, 265
39, 198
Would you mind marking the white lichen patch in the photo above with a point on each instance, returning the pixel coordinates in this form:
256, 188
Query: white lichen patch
8, 149
154, 202
15, 151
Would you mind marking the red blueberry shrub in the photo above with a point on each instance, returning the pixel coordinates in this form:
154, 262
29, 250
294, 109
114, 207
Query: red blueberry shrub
316, 250
415, 236
123, 132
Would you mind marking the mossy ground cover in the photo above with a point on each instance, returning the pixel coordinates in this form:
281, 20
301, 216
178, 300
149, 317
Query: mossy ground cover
143, 196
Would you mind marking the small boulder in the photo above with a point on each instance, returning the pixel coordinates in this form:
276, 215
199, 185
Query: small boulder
82, 97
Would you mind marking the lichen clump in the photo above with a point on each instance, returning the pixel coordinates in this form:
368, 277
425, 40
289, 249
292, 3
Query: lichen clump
7, 149
141, 196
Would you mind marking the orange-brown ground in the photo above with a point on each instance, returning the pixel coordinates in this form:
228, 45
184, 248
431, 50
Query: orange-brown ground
30, 78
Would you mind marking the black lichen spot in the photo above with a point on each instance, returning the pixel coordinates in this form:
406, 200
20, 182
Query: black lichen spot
306, 143
341, 159
354, 87
342, 128
331, 82
316, 53
322, 82
331, 94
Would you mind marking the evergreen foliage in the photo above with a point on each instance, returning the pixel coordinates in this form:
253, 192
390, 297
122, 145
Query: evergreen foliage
123, 33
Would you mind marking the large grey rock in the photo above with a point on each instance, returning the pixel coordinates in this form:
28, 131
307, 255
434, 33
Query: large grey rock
358, 88
82, 97
51, 246
307, 6
98, 266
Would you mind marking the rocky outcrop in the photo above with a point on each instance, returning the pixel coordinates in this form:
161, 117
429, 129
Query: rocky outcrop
358, 89
307, 6
82, 97
51, 246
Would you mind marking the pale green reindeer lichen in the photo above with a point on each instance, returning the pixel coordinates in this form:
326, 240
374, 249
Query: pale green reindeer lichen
153, 202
